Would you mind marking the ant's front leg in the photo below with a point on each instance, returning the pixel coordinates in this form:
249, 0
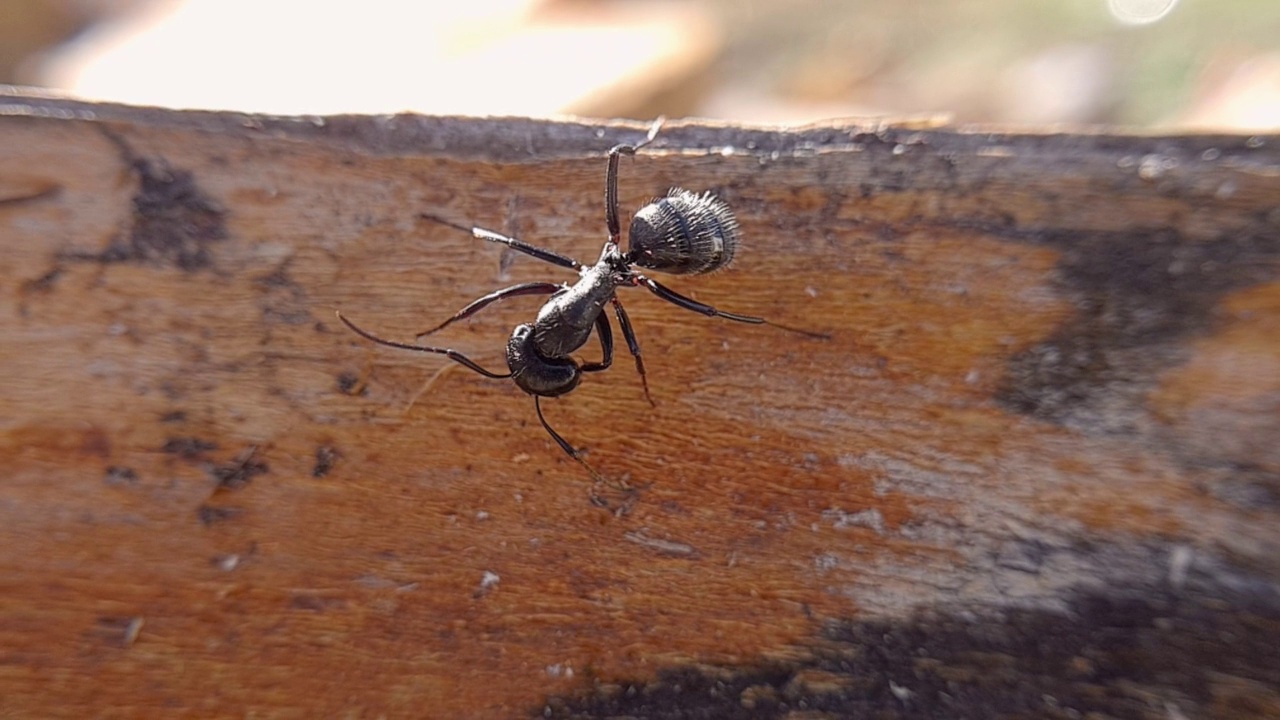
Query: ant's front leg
542, 254
529, 288
611, 180
605, 332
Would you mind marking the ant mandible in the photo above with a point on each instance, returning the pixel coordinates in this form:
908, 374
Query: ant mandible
683, 233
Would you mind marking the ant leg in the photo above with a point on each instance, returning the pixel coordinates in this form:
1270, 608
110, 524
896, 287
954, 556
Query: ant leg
634, 345
605, 331
453, 355
599, 479
676, 298
542, 254
564, 444
611, 180
529, 288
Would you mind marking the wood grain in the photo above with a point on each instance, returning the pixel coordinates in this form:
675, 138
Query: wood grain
1033, 471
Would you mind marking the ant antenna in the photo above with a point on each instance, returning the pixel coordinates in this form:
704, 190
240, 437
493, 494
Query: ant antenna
564, 444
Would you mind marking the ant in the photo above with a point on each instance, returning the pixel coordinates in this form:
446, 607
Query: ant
683, 233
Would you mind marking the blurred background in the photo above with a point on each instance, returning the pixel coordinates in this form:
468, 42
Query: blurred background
1167, 64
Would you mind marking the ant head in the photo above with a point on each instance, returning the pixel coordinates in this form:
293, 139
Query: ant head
683, 233
533, 372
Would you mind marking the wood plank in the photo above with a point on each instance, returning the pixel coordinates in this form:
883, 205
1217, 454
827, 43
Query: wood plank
1033, 471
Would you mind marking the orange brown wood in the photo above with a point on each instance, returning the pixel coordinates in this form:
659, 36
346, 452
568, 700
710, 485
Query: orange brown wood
1033, 470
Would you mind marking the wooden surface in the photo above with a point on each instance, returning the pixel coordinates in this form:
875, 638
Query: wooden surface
1034, 472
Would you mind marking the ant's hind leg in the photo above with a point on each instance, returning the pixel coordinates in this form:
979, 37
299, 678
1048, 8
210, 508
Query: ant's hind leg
687, 303
529, 288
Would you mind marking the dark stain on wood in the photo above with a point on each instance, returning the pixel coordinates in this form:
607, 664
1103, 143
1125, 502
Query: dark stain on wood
1139, 652
1138, 294
174, 221
187, 447
284, 300
239, 472
44, 283
117, 475
326, 457
211, 515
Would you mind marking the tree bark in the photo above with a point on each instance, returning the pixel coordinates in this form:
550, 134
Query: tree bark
1032, 471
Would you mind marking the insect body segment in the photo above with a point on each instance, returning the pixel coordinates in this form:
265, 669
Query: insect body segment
564, 323
683, 233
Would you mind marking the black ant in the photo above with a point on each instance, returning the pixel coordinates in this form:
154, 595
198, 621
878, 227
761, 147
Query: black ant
683, 233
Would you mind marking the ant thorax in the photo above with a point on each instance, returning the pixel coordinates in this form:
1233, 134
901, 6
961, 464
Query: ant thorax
612, 265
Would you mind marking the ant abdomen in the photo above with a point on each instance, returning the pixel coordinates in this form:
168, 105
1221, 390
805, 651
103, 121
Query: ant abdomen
683, 233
